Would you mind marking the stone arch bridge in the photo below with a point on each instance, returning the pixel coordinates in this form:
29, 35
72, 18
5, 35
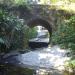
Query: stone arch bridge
44, 15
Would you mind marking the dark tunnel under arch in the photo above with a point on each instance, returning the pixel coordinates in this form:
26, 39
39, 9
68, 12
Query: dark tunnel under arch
41, 22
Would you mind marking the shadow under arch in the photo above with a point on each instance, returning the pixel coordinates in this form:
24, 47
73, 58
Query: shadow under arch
41, 22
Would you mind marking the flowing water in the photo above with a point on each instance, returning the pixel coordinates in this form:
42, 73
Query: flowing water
43, 61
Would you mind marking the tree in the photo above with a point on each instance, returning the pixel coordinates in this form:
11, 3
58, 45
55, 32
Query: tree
13, 2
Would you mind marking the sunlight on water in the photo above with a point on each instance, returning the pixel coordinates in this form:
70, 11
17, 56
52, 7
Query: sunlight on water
47, 58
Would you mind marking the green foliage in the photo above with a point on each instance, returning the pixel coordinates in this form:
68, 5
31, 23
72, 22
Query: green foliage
70, 67
70, 63
14, 34
20, 2
54, 1
8, 24
65, 35
32, 33
13, 2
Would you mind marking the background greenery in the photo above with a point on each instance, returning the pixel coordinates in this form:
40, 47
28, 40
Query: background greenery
65, 34
14, 33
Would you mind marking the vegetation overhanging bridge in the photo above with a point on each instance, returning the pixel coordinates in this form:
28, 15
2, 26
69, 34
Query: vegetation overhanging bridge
44, 15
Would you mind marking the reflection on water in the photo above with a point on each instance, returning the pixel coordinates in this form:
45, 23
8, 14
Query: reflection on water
14, 70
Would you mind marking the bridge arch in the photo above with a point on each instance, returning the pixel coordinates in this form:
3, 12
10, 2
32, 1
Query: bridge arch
41, 22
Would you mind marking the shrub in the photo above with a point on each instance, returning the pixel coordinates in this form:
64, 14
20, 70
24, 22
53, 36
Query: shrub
14, 33
65, 35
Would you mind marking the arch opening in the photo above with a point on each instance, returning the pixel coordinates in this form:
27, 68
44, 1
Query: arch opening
46, 27
41, 22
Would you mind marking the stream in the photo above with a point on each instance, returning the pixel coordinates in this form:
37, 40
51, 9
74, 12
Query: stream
45, 60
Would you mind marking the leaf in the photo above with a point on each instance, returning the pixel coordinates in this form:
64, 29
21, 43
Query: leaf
1, 40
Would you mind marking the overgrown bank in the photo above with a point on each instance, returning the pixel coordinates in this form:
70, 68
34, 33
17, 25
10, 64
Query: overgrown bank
14, 33
65, 37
